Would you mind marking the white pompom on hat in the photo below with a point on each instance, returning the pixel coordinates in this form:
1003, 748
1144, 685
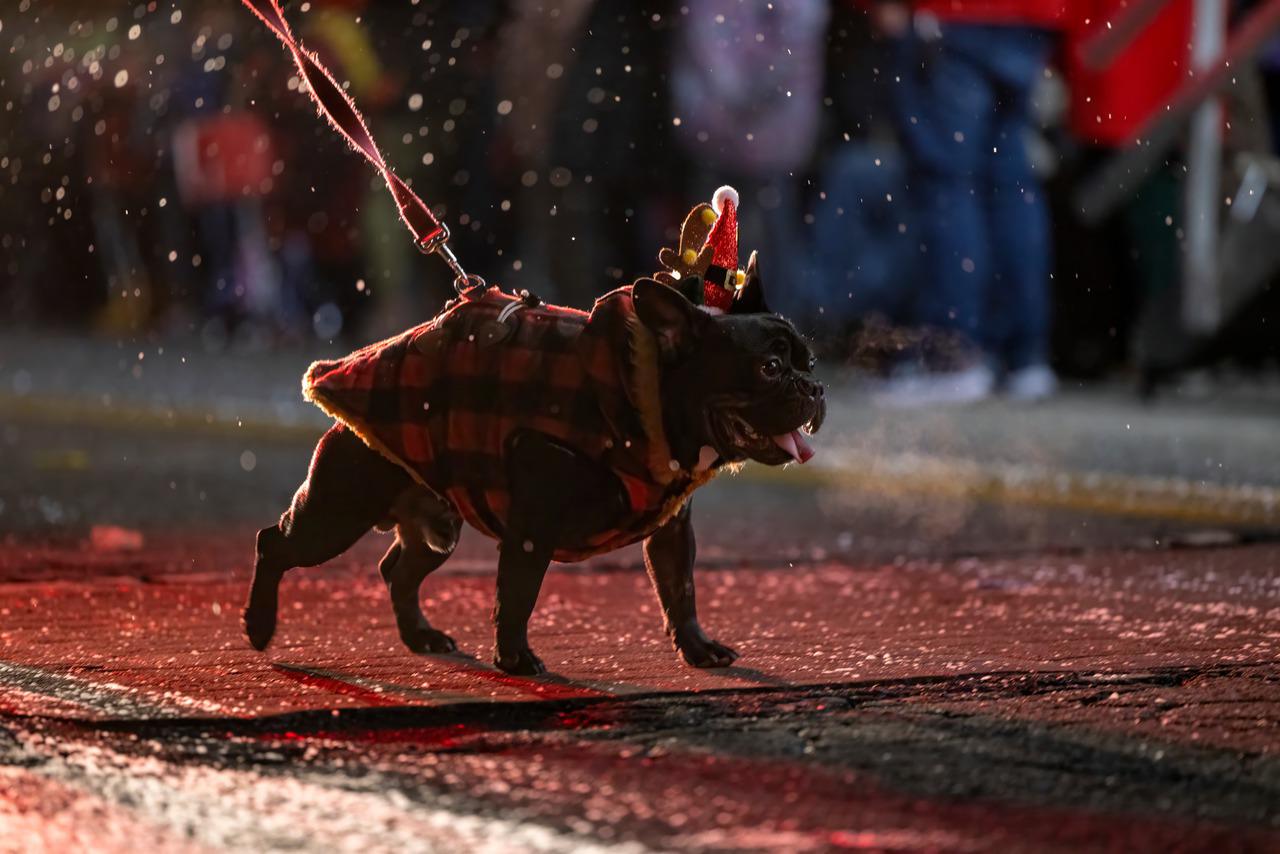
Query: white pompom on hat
720, 195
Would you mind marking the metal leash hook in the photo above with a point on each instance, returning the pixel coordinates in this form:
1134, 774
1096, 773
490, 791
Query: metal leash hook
466, 284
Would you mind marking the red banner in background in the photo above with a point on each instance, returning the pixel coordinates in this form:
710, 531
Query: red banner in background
1110, 104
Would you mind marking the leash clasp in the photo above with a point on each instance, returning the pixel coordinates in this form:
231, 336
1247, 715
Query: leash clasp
466, 284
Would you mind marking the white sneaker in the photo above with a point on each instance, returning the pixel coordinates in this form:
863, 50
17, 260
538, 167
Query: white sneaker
951, 388
1031, 384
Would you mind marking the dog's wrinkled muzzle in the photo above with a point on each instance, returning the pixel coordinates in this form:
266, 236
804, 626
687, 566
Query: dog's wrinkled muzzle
773, 430
795, 443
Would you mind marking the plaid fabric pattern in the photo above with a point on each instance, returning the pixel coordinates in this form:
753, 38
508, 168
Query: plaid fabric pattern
443, 399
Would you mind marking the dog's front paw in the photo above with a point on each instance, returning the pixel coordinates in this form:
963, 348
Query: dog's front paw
698, 650
521, 663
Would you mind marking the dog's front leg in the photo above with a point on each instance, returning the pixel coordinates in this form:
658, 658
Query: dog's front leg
522, 564
669, 554
546, 481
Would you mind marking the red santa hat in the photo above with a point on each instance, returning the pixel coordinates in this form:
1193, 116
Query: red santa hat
720, 282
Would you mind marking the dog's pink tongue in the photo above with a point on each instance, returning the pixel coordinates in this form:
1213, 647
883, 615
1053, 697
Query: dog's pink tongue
796, 444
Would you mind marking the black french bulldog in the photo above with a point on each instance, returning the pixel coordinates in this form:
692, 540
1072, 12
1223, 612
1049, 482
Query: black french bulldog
732, 387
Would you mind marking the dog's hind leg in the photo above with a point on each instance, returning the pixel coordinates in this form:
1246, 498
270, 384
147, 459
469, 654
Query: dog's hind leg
348, 490
405, 566
426, 533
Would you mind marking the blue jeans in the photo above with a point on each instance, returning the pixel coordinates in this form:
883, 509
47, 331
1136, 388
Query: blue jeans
964, 110
859, 260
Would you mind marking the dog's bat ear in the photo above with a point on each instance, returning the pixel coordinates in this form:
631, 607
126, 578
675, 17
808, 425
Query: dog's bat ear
669, 316
750, 297
691, 288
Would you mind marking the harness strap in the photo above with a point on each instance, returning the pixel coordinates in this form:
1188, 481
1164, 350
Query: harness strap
429, 234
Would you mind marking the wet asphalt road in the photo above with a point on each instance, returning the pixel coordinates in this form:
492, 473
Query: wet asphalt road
1120, 701
918, 673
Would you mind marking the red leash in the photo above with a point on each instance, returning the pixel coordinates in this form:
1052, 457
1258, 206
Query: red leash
429, 234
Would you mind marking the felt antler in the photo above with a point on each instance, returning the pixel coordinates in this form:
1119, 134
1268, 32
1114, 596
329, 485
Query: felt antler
693, 256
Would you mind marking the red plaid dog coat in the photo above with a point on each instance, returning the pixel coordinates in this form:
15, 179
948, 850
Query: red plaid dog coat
442, 400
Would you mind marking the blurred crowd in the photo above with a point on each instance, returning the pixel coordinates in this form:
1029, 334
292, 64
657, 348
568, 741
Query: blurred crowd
906, 168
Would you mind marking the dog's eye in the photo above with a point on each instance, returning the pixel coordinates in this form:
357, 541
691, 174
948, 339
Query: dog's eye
813, 363
772, 367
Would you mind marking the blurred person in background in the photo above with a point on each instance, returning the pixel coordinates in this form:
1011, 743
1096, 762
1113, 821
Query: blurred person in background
1269, 64
437, 130
119, 167
47, 230
1123, 266
535, 43
612, 164
965, 74
580, 144
860, 252
345, 218
222, 156
747, 80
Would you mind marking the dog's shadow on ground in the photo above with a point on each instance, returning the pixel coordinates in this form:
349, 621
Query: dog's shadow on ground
733, 672
750, 674
550, 683
547, 686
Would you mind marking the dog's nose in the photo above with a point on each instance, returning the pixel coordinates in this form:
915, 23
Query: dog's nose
809, 388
